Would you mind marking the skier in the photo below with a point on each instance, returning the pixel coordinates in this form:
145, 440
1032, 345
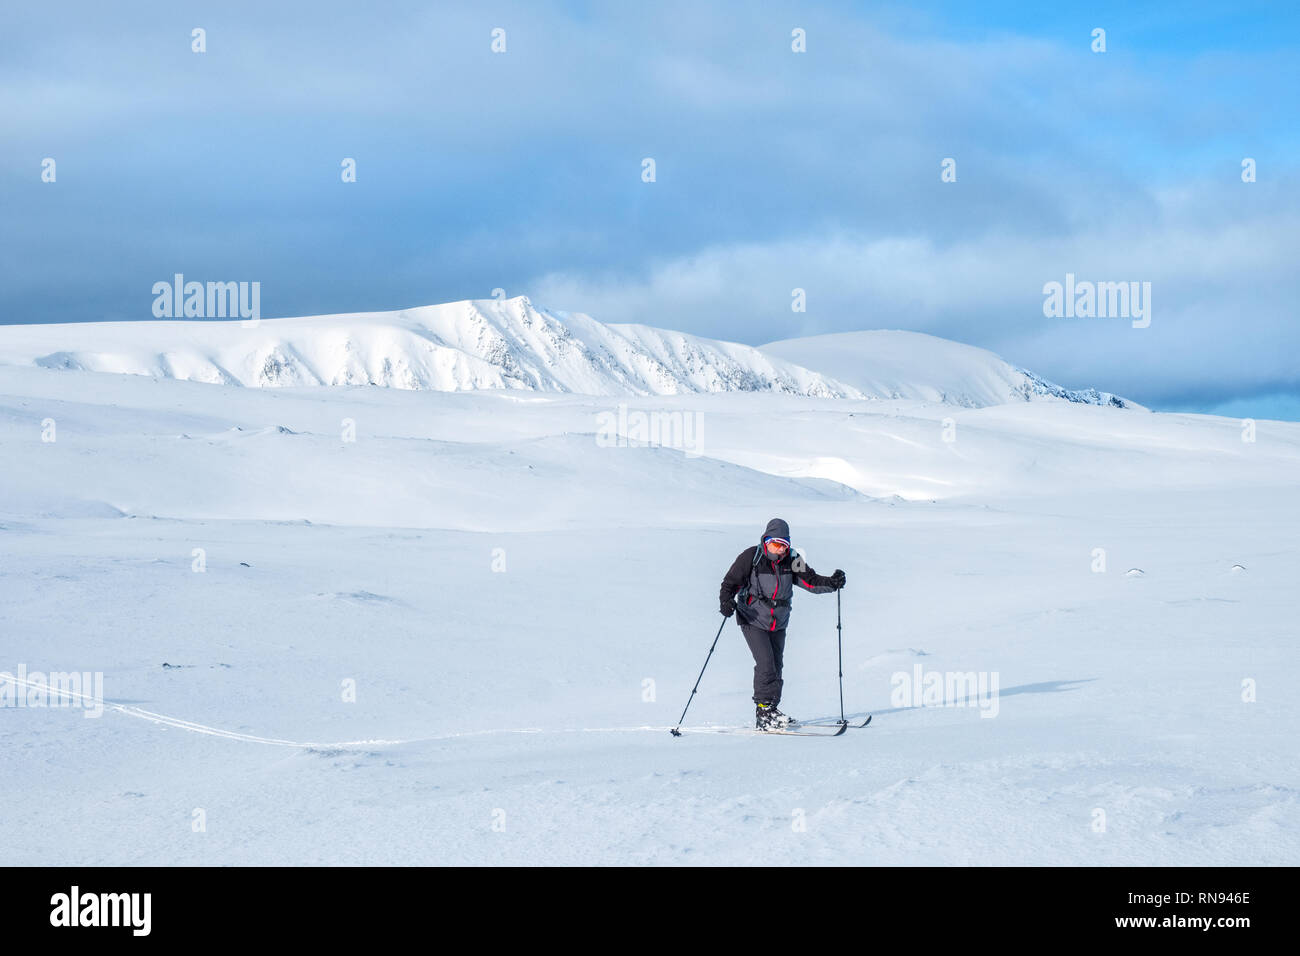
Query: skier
759, 586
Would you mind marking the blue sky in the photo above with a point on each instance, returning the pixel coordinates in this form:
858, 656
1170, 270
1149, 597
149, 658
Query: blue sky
775, 170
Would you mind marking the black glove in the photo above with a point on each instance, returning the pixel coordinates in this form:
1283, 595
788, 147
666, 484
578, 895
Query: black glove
728, 609
837, 579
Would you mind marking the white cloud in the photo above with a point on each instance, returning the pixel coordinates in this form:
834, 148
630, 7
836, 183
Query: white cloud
1223, 294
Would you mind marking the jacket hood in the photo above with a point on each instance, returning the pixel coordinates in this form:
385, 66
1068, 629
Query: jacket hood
776, 528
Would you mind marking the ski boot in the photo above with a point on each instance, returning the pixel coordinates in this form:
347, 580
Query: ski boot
765, 717
782, 720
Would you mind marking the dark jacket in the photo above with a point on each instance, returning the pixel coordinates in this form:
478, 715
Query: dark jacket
766, 586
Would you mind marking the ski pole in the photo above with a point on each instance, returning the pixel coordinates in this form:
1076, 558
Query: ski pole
839, 640
675, 731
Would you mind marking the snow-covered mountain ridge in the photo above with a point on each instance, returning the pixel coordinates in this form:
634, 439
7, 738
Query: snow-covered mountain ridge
459, 346
513, 344
894, 364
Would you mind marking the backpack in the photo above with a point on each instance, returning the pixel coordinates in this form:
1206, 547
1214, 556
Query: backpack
742, 596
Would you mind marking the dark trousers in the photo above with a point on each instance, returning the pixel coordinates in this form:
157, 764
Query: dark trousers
768, 648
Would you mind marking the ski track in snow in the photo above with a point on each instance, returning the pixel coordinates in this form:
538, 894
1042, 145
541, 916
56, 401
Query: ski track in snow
197, 728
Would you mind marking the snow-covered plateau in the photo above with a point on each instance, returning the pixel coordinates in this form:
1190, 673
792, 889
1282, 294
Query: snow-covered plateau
452, 621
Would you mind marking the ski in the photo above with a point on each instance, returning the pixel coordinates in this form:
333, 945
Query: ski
846, 726
807, 733
770, 733
801, 733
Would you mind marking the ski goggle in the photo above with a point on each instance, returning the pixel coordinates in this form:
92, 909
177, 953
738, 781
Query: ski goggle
778, 545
